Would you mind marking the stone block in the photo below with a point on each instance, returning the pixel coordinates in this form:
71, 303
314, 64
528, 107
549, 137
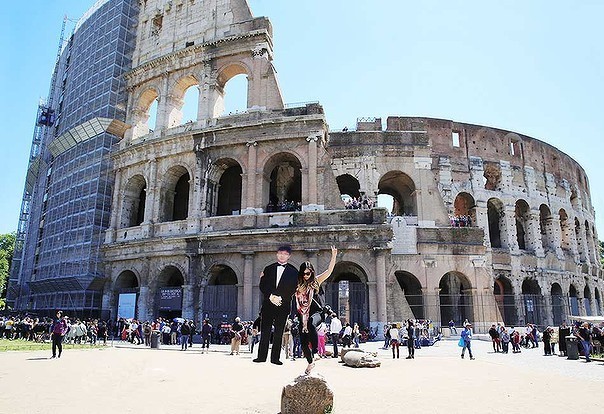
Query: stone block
307, 394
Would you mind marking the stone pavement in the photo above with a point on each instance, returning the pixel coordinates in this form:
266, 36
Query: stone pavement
130, 379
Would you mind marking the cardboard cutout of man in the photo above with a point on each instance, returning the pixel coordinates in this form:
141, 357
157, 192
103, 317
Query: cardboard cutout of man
278, 283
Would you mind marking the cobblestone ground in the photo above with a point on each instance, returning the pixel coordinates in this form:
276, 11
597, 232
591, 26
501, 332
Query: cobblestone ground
128, 379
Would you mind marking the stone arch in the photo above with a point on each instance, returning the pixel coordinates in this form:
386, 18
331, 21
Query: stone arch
220, 295
348, 186
347, 292
532, 299
504, 296
178, 98
412, 289
401, 187
174, 196
558, 308
464, 210
140, 113
546, 227
587, 300
126, 289
282, 182
455, 295
225, 187
573, 296
133, 202
168, 297
225, 74
523, 217
495, 213
566, 231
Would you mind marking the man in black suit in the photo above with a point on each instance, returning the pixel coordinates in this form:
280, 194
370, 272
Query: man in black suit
278, 283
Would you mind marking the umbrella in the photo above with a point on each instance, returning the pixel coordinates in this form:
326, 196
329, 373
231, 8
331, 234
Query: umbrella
179, 320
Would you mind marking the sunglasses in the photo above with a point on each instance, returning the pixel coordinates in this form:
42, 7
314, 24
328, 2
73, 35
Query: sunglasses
307, 272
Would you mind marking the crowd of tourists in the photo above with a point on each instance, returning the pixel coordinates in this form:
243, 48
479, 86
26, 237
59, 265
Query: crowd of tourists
460, 220
359, 203
412, 333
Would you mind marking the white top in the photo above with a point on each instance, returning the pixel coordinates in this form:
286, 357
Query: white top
348, 331
280, 270
394, 333
335, 326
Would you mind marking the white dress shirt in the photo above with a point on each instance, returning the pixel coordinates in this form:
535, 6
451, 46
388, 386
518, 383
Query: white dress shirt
280, 270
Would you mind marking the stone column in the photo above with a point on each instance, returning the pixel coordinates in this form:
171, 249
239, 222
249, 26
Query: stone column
509, 237
249, 203
163, 105
143, 304
519, 302
584, 247
534, 231
115, 207
380, 272
557, 237
482, 221
187, 301
312, 169
151, 194
374, 321
248, 277
432, 304
548, 311
197, 207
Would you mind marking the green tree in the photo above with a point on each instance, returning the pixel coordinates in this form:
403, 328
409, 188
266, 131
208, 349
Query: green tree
7, 247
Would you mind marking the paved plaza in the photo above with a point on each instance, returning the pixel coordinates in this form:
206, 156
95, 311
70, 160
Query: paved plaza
129, 379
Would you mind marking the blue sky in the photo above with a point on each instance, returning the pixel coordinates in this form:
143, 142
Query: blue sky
533, 67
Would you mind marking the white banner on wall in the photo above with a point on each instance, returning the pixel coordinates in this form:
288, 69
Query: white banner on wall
126, 306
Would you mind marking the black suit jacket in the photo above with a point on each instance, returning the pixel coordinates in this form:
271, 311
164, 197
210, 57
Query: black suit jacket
285, 289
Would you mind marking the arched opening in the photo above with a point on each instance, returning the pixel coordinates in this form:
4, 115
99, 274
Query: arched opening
224, 190
523, 217
412, 289
144, 114
126, 288
346, 291
557, 304
349, 191
175, 194
133, 205
587, 300
402, 189
597, 302
495, 216
464, 211
565, 231
546, 226
235, 94
579, 238
169, 293
574, 300
220, 294
504, 296
533, 301
190, 107
283, 190
455, 299
231, 92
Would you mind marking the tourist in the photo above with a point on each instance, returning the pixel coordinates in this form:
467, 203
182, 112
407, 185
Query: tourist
237, 331
563, 332
356, 335
505, 340
584, 335
255, 333
466, 338
321, 333
394, 341
452, 327
335, 326
59, 329
410, 340
308, 306
515, 339
347, 336
386, 337
547, 336
278, 283
206, 335
287, 343
494, 338
185, 331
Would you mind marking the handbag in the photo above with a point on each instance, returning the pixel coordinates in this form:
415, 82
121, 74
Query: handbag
319, 316
461, 342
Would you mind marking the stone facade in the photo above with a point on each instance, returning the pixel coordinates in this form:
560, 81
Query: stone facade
484, 221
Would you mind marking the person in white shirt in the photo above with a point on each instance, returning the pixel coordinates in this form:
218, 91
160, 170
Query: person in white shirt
335, 327
394, 340
347, 336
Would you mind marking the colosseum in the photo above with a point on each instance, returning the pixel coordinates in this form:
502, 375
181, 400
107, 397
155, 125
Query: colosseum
481, 224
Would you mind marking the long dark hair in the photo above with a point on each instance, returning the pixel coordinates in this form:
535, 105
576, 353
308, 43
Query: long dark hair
312, 281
